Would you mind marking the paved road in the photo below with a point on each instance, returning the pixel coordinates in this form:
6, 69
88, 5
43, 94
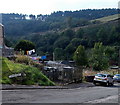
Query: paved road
97, 94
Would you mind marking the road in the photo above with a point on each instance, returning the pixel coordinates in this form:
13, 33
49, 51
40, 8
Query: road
96, 94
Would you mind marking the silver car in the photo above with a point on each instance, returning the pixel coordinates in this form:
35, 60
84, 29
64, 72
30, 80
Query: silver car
116, 78
105, 79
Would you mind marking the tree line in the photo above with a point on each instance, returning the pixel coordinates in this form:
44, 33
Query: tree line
21, 26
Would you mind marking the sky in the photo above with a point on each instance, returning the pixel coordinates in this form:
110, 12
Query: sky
48, 6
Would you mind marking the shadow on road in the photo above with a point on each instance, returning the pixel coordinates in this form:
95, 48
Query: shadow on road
116, 85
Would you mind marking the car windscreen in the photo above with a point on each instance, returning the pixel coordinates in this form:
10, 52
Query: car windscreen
100, 75
117, 75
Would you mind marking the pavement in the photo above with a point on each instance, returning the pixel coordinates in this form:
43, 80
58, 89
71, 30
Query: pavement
69, 86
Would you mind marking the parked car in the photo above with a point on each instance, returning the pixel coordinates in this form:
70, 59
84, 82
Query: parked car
116, 78
105, 79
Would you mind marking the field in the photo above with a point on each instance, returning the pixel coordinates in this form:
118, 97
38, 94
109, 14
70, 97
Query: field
108, 18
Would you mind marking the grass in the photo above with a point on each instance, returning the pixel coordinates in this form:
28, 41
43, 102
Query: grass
33, 74
108, 18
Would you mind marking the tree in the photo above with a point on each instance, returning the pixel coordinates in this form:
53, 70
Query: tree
69, 50
69, 33
112, 35
80, 33
8, 43
76, 42
62, 42
59, 54
80, 57
112, 53
69, 22
32, 16
99, 59
24, 45
102, 35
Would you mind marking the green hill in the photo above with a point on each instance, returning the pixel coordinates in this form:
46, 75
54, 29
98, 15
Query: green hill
33, 75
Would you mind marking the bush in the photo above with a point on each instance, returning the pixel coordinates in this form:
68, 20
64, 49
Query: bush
23, 59
12, 58
37, 65
28, 61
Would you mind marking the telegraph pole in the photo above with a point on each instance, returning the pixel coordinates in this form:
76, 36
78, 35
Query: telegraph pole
53, 56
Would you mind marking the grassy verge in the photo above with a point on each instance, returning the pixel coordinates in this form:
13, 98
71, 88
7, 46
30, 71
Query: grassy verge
33, 74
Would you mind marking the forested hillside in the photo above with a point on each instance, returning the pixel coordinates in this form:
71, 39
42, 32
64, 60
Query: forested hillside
62, 32
22, 24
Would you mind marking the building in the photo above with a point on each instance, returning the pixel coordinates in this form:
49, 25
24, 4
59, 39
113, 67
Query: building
61, 72
4, 50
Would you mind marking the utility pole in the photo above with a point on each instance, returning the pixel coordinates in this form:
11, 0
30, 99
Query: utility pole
53, 56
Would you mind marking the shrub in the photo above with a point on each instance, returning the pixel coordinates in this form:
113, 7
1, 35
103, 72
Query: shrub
37, 65
28, 61
23, 59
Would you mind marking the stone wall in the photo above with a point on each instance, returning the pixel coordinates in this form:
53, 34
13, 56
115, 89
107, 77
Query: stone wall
1, 35
4, 50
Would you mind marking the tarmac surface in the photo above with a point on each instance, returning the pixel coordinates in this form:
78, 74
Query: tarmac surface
72, 93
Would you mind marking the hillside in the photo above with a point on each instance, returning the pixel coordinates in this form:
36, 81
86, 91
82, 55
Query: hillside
33, 75
20, 25
108, 18
100, 21
62, 34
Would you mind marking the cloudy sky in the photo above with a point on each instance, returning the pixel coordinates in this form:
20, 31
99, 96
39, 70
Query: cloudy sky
48, 6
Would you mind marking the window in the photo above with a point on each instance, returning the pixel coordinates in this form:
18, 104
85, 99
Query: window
117, 75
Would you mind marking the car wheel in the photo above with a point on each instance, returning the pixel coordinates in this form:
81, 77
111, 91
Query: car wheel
94, 83
112, 84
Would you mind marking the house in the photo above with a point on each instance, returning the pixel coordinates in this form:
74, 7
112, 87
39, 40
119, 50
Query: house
4, 50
